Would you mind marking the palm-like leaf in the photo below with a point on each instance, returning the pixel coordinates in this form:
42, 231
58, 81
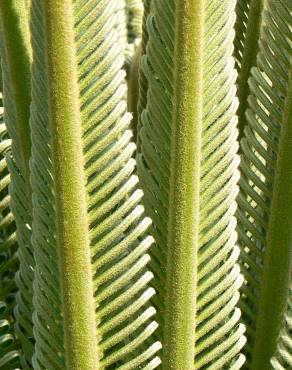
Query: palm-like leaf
242, 13
16, 91
177, 145
134, 23
247, 32
265, 199
283, 357
116, 280
142, 80
9, 346
134, 13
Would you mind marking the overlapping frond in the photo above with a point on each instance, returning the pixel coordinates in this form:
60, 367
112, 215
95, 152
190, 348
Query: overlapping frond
242, 10
134, 11
219, 336
260, 149
16, 77
247, 33
142, 80
134, 23
117, 225
283, 357
9, 346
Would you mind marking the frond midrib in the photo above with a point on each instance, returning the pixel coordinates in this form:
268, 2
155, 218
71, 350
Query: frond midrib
70, 191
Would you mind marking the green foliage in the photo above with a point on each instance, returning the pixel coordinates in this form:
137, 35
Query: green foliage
248, 26
16, 61
283, 357
9, 346
112, 223
211, 251
265, 224
85, 271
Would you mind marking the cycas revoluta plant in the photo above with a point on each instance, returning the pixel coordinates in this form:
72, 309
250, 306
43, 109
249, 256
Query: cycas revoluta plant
200, 279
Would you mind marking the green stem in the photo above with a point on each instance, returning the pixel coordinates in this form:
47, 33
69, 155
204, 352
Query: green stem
278, 258
16, 35
179, 342
133, 90
70, 193
248, 59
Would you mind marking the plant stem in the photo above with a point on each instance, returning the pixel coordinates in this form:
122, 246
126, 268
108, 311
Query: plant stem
133, 90
184, 205
15, 28
278, 257
69, 179
248, 59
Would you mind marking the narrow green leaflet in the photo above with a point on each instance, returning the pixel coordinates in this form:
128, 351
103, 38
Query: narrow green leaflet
247, 34
16, 61
9, 345
283, 357
188, 170
134, 10
89, 229
242, 12
265, 199
142, 80
134, 13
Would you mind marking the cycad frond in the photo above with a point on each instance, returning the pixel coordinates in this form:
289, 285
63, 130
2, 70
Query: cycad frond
247, 34
242, 13
265, 223
142, 80
9, 346
16, 61
134, 22
117, 276
188, 170
283, 357
134, 11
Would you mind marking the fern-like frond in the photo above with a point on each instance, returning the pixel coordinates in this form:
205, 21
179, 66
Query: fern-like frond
117, 228
242, 12
283, 357
142, 80
16, 60
265, 198
247, 34
134, 11
176, 145
9, 345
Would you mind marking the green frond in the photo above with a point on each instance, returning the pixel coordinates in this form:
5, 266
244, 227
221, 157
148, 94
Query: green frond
9, 345
16, 61
134, 11
188, 125
113, 227
283, 357
133, 91
134, 23
242, 13
247, 34
265, 198
142, 80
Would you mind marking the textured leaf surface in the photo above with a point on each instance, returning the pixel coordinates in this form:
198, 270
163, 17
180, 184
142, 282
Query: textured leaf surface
134, 13
218, 334
117, 231
15, 52
242, 12
9, 346
259, 166
283, 357
247, 34
142, 80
